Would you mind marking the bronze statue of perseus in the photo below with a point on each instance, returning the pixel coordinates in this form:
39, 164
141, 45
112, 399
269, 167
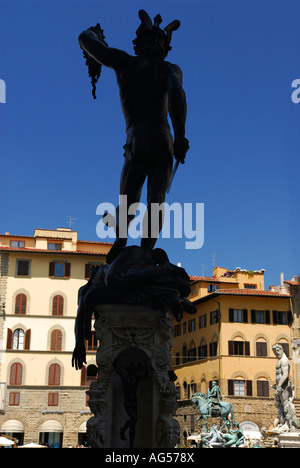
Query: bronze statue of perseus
150, 90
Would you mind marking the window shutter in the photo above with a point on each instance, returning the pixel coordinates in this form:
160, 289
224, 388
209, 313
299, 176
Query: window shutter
245, 315
230, 315
87, 270
247, 348
83, 376
230, 348
67, 270
9, 340
275, 317
58, 305
267, 316
230, 387
253, 316
54, 374
27, 339
16, 374
51, 268
249, 387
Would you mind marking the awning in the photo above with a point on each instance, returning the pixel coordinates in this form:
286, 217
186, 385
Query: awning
51, 426
12, 425
82, 428
196, 437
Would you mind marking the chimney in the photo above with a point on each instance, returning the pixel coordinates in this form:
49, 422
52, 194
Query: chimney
281, 279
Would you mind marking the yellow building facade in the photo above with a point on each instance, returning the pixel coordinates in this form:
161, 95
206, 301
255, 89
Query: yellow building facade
230, 340
43, 397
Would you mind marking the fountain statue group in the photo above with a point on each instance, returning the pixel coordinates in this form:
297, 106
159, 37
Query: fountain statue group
211, 406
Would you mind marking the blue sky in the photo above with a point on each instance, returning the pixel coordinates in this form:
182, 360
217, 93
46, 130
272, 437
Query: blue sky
61, 150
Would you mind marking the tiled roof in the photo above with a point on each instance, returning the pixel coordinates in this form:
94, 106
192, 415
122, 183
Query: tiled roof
241, 292
47, 251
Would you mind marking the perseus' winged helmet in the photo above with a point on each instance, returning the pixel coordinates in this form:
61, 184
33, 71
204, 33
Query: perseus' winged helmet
150, 33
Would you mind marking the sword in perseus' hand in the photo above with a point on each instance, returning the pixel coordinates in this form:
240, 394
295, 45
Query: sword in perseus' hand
172, 175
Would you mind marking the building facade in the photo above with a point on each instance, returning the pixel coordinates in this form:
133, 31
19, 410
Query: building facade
43, 397
230, 340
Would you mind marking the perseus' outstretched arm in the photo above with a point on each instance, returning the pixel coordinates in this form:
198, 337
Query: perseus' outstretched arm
100, 51
178, 111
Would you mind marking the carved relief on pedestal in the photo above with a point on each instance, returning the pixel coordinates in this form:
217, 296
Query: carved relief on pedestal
146, 335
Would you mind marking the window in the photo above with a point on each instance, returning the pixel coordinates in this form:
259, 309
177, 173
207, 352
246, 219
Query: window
202, 321
239, 348
18, 339
22, 267
238, 315
20, 304
177, 359
16, 243
53, 399
202, 351
88, 374
56, 341
240, 387
260, 316
58, 305
191, 325
54, 374
89, 267
212, 287
214, 317
14, 398
184, 328
261, 349
213, 348
262, 388
54, 246
16, 371
279, 318
192, 353
59, 269
250, 286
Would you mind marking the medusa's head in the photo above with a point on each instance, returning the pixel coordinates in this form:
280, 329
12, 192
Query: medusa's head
151, 41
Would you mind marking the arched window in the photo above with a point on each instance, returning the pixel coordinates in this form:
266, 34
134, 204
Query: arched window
18, 339
16, 371
54, 374
56, 340
58, 305
262, 387
20, 304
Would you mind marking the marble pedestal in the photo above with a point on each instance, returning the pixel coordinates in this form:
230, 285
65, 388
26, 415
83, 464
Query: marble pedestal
134, 367
289, 440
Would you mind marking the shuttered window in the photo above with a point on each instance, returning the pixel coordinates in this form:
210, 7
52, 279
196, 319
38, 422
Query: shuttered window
56, 341
20, 304
52, 399
59, 269
54, 374
14, 398
58, 305
261, 349
262, 388
16, 371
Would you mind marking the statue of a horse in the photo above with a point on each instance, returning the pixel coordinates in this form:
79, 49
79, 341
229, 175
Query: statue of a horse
202, 401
